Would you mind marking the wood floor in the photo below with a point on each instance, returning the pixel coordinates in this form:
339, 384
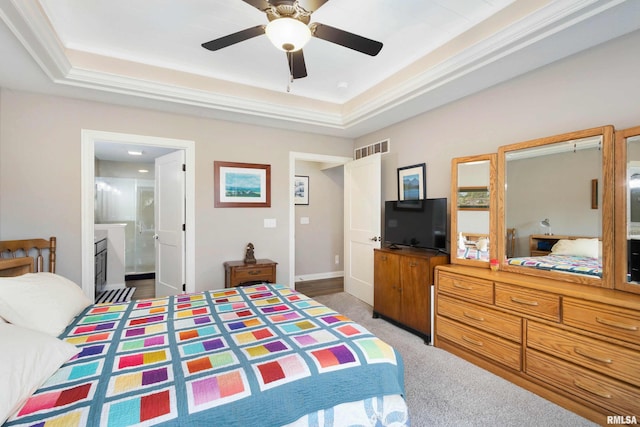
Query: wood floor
145, 288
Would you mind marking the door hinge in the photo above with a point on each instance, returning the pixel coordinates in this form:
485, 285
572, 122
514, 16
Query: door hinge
184, 167
184, 287
184, 227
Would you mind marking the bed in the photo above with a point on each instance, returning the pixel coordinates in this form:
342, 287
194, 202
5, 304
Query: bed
576, 255
473, 246
255, 355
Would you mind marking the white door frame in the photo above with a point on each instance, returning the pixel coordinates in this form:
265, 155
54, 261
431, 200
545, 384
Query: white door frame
87, 153
309, 157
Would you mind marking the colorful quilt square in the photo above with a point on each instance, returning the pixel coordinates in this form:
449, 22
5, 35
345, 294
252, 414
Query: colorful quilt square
281, 371
297, 327
275, 309
216, 390
267, 301
100, 318
233, 315
232, 306
191, 304
244, 324
266, 349
194, 348
284, 317
151, 303
88, 339
144, 331
320, 311
146, 312
200, 311
209, 362
143, 358
334, 318
230, 298
333, 358
351, 330
74, 372
147, 409
72, 418
376, 351
224, 294
261, 295
58, 398
190, 334
151, 377
146, 320
253, 336
142, 343
88, 329
90, 351
192, 322
314, 338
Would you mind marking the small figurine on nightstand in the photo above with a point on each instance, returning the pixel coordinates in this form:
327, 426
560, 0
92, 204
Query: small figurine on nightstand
249, 258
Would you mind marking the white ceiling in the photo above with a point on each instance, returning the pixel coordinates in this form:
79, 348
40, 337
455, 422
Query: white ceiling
148, 54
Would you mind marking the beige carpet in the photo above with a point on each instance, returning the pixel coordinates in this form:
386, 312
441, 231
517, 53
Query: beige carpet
444, 390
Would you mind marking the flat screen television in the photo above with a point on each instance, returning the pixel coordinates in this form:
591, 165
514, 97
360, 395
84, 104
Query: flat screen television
416, 223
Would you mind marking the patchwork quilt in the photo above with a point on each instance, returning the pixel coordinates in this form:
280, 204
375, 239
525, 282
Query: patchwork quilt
261, 355
566, 263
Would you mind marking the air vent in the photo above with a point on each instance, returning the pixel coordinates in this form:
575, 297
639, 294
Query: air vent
383, 146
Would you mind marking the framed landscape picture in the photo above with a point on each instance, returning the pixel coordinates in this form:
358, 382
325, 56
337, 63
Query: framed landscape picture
473, 198
241, 185
412, 182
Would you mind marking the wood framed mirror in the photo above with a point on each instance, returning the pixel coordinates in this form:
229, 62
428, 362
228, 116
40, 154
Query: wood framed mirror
627, 210
556, 195
473, 209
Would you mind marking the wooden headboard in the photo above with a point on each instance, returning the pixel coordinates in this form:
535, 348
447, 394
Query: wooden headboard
17, 253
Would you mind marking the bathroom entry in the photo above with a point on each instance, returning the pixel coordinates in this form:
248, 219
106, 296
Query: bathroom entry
124, 194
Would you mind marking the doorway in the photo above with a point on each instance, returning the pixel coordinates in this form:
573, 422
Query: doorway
327, 161
89, 139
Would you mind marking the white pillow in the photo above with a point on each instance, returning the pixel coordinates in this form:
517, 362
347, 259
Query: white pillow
28, 358
45, 302
577, 247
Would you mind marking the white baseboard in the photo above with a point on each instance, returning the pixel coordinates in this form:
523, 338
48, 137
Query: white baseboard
319, 276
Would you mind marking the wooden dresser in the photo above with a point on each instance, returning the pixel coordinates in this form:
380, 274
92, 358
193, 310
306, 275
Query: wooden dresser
402, 287
572, 344
237, 273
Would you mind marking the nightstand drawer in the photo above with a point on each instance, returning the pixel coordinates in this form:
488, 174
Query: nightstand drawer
466, 287
528, 301
503, 324
615, 396
603, 319
609, 359
488, 345
244, 274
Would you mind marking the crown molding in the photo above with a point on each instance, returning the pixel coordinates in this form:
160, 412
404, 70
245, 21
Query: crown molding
29, 23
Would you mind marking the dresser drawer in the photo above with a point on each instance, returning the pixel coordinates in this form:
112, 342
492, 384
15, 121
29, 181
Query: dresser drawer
616, 397
466, 287
503, 324
610, 359
491, 346
528, 301
603, 319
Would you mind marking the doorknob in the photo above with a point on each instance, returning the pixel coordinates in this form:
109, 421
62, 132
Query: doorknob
375, 238
155, 236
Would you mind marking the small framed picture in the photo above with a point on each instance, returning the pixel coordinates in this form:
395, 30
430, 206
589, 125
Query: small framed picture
301, 190
412, 182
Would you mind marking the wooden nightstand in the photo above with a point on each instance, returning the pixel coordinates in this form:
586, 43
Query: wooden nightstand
237, 273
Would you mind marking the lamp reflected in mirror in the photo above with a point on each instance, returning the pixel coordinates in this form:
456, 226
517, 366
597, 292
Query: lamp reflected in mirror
546, 225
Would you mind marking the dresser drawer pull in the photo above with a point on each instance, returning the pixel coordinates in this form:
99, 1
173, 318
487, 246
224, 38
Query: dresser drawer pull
524, 301
461, 286
473, 316
254, 272
600, 393
592, 357
472, 341
616, 324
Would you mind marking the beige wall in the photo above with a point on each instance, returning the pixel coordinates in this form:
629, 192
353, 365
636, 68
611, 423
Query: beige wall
597, 87
40, 176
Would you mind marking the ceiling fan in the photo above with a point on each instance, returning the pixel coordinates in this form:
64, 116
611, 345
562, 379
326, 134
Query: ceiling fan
289, 30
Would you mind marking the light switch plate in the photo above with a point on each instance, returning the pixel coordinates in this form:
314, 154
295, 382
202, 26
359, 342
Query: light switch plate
269, 223
304, 220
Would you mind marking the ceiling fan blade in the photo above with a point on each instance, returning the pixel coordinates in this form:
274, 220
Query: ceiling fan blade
346, 39
312, 5
258, 4
296, 64
234, 38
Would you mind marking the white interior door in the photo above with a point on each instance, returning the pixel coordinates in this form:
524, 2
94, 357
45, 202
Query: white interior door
362, 199
170, 222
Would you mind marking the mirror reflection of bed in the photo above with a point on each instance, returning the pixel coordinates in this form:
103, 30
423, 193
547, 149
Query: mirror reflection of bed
550, 189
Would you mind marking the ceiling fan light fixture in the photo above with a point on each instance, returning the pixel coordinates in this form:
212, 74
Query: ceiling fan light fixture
288, 34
